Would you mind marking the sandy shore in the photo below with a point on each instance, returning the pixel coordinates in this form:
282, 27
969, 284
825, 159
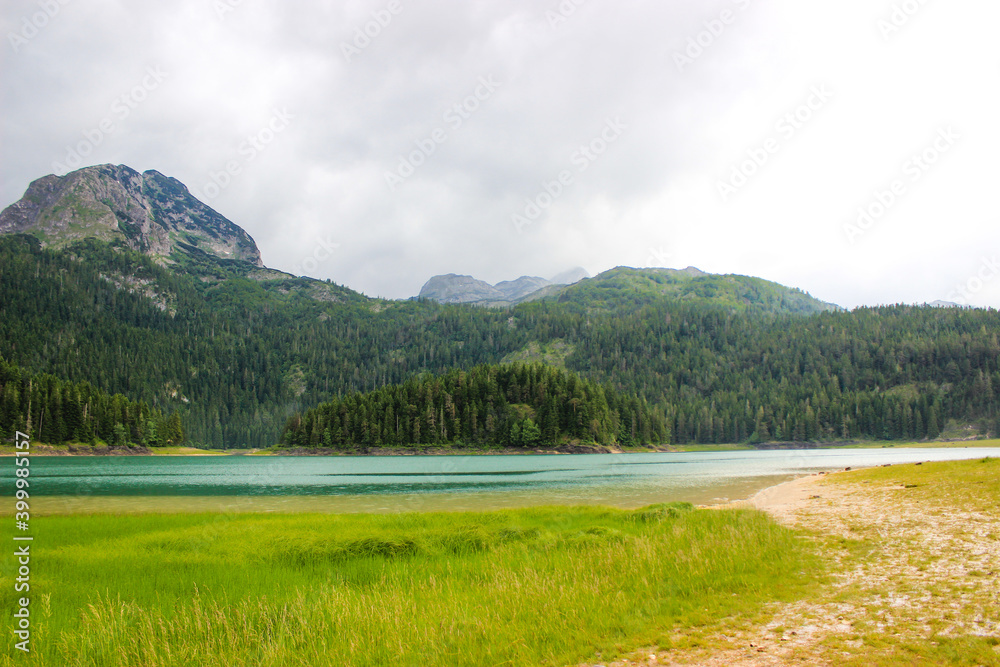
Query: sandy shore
784, 501
930, 570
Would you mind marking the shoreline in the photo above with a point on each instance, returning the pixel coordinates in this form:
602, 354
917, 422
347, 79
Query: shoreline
38, 449
780, 500
911, 553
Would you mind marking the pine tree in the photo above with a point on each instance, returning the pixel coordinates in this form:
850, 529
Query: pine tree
175, 430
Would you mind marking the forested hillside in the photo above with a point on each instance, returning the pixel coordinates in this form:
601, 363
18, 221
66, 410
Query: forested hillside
513, 405
54, 411
887, 373
236, 355
624, 286
237, 350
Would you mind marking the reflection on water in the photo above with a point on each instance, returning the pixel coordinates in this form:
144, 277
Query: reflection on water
427, 483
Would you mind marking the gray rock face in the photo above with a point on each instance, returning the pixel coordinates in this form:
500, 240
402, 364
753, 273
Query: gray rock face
513, 290
149, 212
452, 288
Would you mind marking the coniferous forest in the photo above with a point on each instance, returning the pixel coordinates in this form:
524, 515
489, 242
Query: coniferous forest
237, 351
512, 405
55, 412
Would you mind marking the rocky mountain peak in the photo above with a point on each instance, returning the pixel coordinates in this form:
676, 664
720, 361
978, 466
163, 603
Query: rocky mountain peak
149, 212
454, 288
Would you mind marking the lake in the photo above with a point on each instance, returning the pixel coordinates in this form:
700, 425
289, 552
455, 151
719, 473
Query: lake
425, 483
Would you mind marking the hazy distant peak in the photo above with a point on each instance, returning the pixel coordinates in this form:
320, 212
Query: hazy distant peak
512, 290
570, 277
454, 288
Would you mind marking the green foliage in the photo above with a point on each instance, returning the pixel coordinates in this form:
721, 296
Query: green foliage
488, 405
53, 411
530, 434
238, 349
540, 586
890, 373
639, 287
175, 430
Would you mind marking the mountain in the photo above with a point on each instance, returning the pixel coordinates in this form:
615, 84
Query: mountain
515, 290
628, 287
453, 288
149, 213
620, 286
236, 349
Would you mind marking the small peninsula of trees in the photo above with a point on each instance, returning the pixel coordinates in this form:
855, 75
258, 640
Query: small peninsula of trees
517, 405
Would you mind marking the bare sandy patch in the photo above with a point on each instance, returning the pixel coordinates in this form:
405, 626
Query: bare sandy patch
905, 571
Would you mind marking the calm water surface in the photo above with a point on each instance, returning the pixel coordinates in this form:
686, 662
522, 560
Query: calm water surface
422, 483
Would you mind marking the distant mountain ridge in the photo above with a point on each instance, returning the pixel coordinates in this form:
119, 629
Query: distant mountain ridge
454, 288
149, 212
625, 285
158, 216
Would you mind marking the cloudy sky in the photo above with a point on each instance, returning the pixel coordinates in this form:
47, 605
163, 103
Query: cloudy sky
848, 148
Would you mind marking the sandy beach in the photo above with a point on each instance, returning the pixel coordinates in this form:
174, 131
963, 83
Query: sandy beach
931, 569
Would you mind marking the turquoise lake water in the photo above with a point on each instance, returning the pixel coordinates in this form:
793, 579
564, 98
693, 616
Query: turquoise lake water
421, 483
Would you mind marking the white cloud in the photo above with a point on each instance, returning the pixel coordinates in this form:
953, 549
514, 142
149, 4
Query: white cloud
653, 193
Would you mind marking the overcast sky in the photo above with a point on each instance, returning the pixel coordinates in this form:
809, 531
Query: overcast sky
379, 143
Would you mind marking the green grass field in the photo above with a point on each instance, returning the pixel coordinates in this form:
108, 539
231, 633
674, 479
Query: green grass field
872, 444
971, 485
916, 445
538, 586
535, 586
